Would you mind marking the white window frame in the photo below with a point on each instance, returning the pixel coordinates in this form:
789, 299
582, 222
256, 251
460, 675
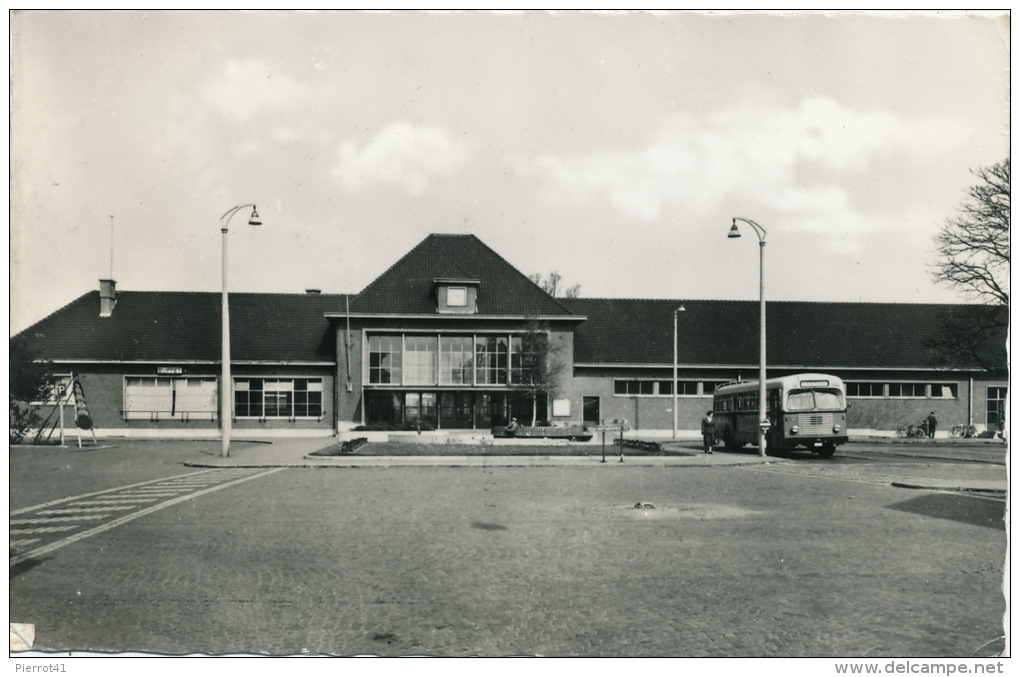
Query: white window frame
456, 297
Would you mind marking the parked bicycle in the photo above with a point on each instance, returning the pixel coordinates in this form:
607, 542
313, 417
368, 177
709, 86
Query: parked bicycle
912, 430
963, 430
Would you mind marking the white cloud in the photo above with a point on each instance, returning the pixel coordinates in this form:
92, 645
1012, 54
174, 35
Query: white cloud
813, 166
243, 89
400, 154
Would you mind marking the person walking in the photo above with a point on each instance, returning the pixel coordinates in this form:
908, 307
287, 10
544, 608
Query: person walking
933, 423
708, 432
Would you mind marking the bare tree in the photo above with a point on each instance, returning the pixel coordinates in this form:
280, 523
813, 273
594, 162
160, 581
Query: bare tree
537, 368
973, 246
551, 285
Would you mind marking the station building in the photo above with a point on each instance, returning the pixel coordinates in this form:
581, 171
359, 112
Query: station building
444, 340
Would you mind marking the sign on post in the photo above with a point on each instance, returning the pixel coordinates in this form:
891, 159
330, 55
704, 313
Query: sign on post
613, 425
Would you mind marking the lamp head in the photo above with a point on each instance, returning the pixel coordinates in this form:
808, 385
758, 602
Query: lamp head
734, 231
681, 309
255, 219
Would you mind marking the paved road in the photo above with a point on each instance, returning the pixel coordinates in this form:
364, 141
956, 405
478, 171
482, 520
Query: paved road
790, 559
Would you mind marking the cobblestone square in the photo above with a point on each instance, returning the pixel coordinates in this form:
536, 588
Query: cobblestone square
730, 561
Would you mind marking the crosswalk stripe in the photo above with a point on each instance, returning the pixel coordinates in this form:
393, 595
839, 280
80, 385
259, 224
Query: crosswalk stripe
42, 550
108, 491
50, 520
45, 530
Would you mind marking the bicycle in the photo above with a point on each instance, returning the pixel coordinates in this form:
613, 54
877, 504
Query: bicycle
963, 430
911, 430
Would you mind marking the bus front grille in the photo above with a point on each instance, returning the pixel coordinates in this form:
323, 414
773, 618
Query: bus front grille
814, 424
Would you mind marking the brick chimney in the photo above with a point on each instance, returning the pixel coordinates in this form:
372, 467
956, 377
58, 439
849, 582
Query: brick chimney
107, 297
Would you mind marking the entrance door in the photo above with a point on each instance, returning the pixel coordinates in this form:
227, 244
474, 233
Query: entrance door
592, 410
455, 410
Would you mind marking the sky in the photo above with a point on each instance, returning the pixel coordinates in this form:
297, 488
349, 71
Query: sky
612, 148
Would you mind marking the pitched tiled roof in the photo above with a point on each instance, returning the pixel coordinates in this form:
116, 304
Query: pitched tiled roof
168, 326
799, 334
407, 287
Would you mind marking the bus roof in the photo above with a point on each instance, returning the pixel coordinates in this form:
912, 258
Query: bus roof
806, 380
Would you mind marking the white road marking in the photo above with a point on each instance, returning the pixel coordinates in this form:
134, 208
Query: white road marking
107, 491
50, 520
127, 518
22, 542
69, 510
45, 530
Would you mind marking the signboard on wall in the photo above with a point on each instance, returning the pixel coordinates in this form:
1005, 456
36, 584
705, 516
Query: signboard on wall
170, 370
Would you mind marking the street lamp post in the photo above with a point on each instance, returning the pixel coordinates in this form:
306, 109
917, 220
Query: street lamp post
763, 423
676, 383
226, 386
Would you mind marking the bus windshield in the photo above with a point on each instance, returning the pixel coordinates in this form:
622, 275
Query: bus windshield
808, 400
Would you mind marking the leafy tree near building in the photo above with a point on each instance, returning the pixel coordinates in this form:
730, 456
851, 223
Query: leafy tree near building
30, 381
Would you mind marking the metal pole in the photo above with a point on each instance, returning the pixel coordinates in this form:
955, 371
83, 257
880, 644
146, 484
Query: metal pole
225, 384
675, 383
762, 405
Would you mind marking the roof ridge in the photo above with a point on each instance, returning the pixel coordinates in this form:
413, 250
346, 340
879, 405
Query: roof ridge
530, 281
696, 300
58, 310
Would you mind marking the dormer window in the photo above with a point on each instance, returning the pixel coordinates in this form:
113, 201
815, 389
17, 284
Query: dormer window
456, 297
456, 292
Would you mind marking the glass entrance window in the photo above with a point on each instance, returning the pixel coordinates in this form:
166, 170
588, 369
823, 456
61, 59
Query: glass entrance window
385, 361
492, 355
456, 360
420, 407
420, 359
995, 417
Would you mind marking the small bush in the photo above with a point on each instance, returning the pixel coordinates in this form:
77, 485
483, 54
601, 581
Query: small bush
642, 445
23, 418
345, 447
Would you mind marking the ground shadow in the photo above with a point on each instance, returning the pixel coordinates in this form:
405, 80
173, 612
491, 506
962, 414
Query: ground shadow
489, 527
25, 565
957, 507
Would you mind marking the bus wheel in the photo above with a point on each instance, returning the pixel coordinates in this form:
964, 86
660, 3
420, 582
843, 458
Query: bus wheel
730, 443
827, 450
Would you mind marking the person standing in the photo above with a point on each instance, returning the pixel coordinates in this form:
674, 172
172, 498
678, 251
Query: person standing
708, 432
933, 423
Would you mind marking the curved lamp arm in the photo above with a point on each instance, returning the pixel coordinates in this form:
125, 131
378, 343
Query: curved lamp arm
253, 220
758, 230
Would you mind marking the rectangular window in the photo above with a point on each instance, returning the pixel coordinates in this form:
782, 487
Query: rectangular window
945, 391
525, 353
492, 359
278, 398
153, 398
995, 413
747, 402
456, 363
421, 357
456, 296
710, 386
634, 387
385, 361
684, 388
914, 390
864, 389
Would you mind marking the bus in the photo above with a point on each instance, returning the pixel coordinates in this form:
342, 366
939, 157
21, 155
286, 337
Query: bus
804, 410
